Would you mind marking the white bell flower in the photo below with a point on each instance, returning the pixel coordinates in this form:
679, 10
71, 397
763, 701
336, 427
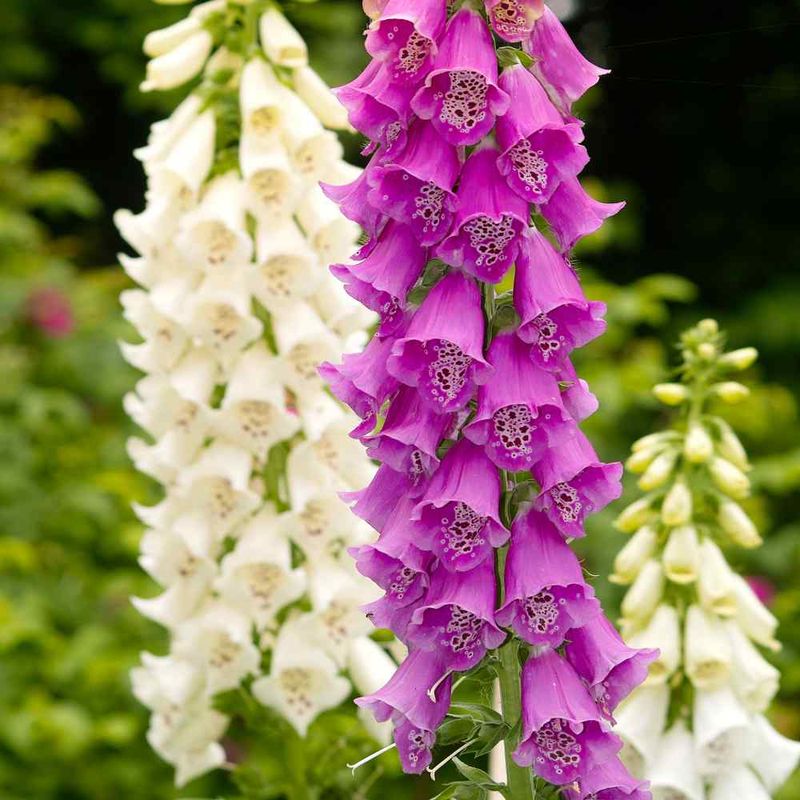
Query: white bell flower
772, 756
175, 66
739, 783
645, 594
673, 774
164, 682
370, 668
303, 680
317, 95
332, 236
662, 632
715, 582
161, 41
195, 375
150, 231
257, 577
707, 650
721, 730
318, 411
282, 44
164, 340
634, 555
681, 557
343, 455
342, 313
640, 722
164, 133
754, 618
754, 679
262, 101
273, 188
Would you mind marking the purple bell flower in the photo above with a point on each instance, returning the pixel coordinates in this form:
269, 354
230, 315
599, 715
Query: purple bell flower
416, 187
574, 484
459, 510
382, 280
538, 149
490, 223
572, 214
415, 716
461, 96
410, 435
555, 315
558, 64
406, 35
376, 502
546, 595
456, 618
610, 668
352, 199
521, 413
609, 780
513, 20
442, 351
563, 734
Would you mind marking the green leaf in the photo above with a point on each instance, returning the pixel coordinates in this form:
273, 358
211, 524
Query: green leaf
462, 791
478, 777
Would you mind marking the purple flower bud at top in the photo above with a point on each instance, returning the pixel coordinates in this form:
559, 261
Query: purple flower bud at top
489, 224
456, 617
555, 316
383, 279
410, 435
50, 311
572, 214
405, 37
416, 188
563, 734
575, 394
609, 780
375, 503
405, 701
460, 508
520, 413
558, 64
574, 484
546, 595
610, 668
442, 351
461, 96
513, 20
538, 149
352, 199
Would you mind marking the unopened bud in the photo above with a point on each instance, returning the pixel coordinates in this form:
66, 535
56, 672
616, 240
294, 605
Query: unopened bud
735, 522
671, 394
739, 359
634, 516
731, 448
640, 460
634, 555
698, 446
645, 594
657, 474
708, 327
707, 351
677, 506
652, 440
731, 392
715, 585
680, 556
729, 478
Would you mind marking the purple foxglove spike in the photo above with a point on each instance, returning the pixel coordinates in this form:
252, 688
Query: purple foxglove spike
416, 188
383, 279
461, 96
558, 64
575, 394
490, 222
442, 351
521, 413
546, 595
572, 214
456, 617
460, 508
377, 105
513, 20
607, 665
352, 199
538, 149
609, 780
555, 315
575, 484
375, 502
405, 701
564, 735
410, 435
405, 37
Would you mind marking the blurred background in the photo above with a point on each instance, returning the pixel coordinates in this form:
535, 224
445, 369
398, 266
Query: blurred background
696, 128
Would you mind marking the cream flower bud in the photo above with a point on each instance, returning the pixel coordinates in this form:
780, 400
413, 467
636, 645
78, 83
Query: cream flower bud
282, 44
707, 351
640, 721
731, 392
677, 507
754, 618
156, 43
774, 757
659, 471
735, 522
671, 394
730, 448
739, 359
720, 730
180, 64
740, 783
715, 582
653, 440
645, 593
641, 459
708, 327
681, 555
634, 555
634, 516
707, 652
663, 632
316, 94
698, 446
754, 679
673, 773
729, 479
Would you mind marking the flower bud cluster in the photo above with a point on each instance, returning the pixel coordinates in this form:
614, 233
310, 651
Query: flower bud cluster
696, 728
235, 308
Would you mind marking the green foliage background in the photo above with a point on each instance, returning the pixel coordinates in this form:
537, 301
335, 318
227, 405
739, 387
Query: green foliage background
70, 114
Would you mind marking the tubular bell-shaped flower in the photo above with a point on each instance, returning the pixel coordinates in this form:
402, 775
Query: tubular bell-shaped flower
248, 543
